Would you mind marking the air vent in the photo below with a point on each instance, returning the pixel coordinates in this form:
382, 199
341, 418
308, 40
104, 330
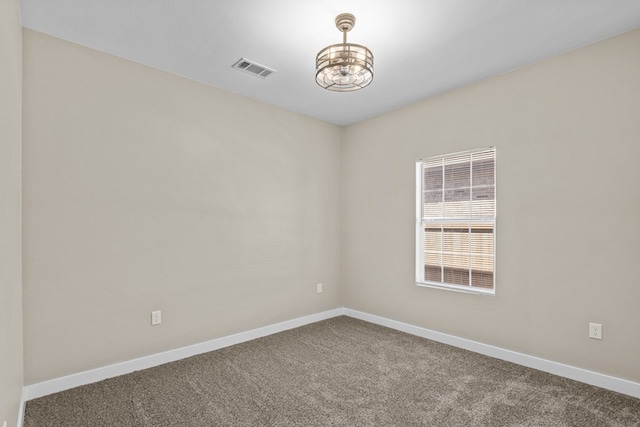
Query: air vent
253, 68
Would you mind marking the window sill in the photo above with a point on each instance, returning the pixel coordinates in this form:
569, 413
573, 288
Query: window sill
453, 288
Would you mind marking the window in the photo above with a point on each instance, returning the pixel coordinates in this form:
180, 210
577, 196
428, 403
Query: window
455, 221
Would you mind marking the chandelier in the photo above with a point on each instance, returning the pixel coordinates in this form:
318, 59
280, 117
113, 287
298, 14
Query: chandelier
346, 66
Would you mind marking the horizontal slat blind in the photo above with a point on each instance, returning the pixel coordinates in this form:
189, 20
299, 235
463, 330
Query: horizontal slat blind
458, 219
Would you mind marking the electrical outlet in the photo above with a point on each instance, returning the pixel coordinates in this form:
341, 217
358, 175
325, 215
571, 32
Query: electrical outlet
156, 317
595, 331
4, 424
319, 287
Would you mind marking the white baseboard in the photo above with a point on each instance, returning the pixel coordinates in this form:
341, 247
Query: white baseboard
94, 375
23, 402
578, 374
589, 377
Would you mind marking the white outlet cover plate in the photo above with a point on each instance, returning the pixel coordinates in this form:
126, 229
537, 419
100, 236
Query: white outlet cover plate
156, 317
595, 330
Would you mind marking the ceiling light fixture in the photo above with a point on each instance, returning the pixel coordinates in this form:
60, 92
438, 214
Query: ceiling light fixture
344, 67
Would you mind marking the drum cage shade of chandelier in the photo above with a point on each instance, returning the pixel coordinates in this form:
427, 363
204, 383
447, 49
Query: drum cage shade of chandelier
346, 66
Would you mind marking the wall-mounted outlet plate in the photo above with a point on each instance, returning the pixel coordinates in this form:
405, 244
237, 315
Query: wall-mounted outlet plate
156, 317
319, 287
595, 331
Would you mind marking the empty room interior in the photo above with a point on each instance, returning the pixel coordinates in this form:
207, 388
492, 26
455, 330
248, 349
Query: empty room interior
181, 183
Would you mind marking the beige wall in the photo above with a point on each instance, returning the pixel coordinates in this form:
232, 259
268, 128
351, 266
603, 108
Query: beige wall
567, 133
146, 191
10, 193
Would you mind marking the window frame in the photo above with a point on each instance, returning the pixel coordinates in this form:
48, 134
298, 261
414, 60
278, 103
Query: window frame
422, 221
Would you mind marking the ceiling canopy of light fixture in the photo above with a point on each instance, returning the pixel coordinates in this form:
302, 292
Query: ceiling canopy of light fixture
346, 66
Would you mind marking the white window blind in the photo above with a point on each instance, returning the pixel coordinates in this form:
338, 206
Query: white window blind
455, 224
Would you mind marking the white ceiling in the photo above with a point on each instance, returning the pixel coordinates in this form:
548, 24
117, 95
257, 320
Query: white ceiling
421, 47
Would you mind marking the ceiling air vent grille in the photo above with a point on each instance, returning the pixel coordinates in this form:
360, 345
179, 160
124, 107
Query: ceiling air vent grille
253, 68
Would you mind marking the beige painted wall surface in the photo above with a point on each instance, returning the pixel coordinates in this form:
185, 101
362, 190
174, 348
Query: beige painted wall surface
10, 207
567, 134
146, 191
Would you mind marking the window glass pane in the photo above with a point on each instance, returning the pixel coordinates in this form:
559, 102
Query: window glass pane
457, 175
433, 273
456, 276
432, 177
483, 172
482, 279
455, 238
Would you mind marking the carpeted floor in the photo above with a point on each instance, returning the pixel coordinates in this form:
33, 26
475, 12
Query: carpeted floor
338, 372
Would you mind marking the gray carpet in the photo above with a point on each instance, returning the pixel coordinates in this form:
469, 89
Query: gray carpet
338, 372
